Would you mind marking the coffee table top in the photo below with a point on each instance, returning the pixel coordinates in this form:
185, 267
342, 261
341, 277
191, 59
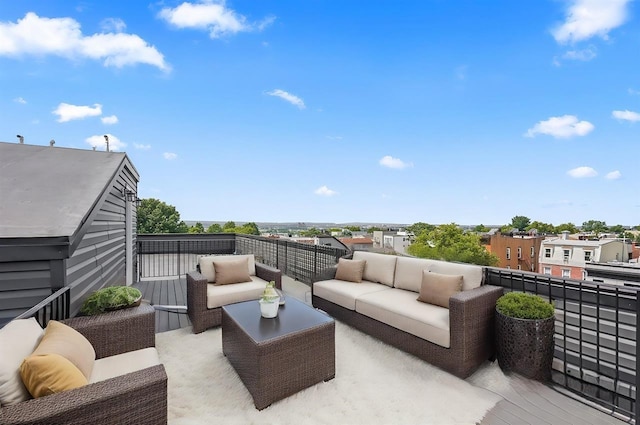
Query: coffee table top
293, 316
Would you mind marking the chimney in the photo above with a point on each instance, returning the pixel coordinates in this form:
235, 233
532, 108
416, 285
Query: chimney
20, 138
565, 235
52, 142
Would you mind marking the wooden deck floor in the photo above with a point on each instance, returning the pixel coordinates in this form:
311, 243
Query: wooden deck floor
526, 402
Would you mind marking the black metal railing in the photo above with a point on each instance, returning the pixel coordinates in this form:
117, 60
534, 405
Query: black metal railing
55, 307
596, 326
163, 255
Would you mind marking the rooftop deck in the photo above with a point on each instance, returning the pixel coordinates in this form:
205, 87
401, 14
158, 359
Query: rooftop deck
523, 402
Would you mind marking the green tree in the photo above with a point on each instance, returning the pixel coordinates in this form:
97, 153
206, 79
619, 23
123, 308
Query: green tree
354, 228
481, 228
542, 228
449, 242
250, 228
309, 233
155, 216
594, 226
520, 222
619, 229
214, 228
229, 227
373, 229
419, 227
196, 228
569, 227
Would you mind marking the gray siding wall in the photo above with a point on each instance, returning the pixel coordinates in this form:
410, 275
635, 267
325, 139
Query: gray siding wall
23, 285
99, 258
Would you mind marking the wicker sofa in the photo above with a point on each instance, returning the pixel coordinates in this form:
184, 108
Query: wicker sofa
205, 298
457, 339
135, 397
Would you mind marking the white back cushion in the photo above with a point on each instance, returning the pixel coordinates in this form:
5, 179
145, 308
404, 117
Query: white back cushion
206, 264
379, 268
18, 339
409, 272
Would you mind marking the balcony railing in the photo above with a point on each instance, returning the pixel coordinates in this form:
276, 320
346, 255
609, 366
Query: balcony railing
595, 338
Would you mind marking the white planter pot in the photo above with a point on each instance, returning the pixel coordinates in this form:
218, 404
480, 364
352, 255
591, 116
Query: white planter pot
269, 309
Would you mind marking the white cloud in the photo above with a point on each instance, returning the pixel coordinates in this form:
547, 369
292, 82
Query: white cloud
142, 147
291, 98
20, 100
562, 127
100, 143
461, 72
632, 91
212, 16
324, 191
589, 18
613, 175
391, 162
67, 112
113, 24
626, 115
334, 137
584, 55
112, 119
582, 172
170, 155
33, 35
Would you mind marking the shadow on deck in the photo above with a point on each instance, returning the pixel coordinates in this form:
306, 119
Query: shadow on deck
166, 292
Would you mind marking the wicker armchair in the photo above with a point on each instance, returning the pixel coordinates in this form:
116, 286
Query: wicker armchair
135, 398
203, 318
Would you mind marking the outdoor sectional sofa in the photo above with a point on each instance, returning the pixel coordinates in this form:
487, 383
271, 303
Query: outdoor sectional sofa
384, 304
206, 294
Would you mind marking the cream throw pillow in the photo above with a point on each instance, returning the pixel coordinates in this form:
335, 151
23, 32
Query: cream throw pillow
69, 343
18, 339
437, 288
231, 271
45, 374
350, 270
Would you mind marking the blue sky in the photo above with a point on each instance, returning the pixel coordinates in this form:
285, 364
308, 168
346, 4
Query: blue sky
331, 111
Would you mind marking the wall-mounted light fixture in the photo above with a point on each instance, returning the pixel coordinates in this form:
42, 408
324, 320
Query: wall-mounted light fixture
131, 196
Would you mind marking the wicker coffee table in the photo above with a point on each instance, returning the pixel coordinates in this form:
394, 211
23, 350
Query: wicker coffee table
278, 357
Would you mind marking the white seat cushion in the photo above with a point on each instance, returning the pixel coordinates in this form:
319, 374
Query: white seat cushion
472, 275
379, 267
121, 364
345, 293
400, 309
219, 295
409, 273
18, 339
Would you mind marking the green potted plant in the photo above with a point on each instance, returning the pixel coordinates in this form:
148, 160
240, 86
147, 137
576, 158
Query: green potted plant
111, 298
270, 301
524, 334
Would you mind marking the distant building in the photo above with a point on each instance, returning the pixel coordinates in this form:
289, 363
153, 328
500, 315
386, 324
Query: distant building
564, 257
395, 241
358, 244
519, 252
68, 218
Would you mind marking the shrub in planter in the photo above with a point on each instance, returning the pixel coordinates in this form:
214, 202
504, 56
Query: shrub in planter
524, 333
111, 298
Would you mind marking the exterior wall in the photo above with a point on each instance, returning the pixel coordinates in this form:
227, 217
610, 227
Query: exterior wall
501, 245
99, 258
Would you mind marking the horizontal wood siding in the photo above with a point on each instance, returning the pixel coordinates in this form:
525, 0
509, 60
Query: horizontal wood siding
99, 259
23, 284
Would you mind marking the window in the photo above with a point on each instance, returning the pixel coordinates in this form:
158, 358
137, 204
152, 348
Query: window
519, 253
566, 253
566, 273
584, 275
519, 267
587, 256
546, 270
547, 252
533, 252
508, 253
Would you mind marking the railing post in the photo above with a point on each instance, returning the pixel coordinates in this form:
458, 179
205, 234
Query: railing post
179, 258
277, 255
315, 262
636, 410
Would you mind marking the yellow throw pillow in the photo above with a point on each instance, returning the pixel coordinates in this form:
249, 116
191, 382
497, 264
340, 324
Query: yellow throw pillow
45, 374
350, 270
437, 288
231, 271
69, 343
